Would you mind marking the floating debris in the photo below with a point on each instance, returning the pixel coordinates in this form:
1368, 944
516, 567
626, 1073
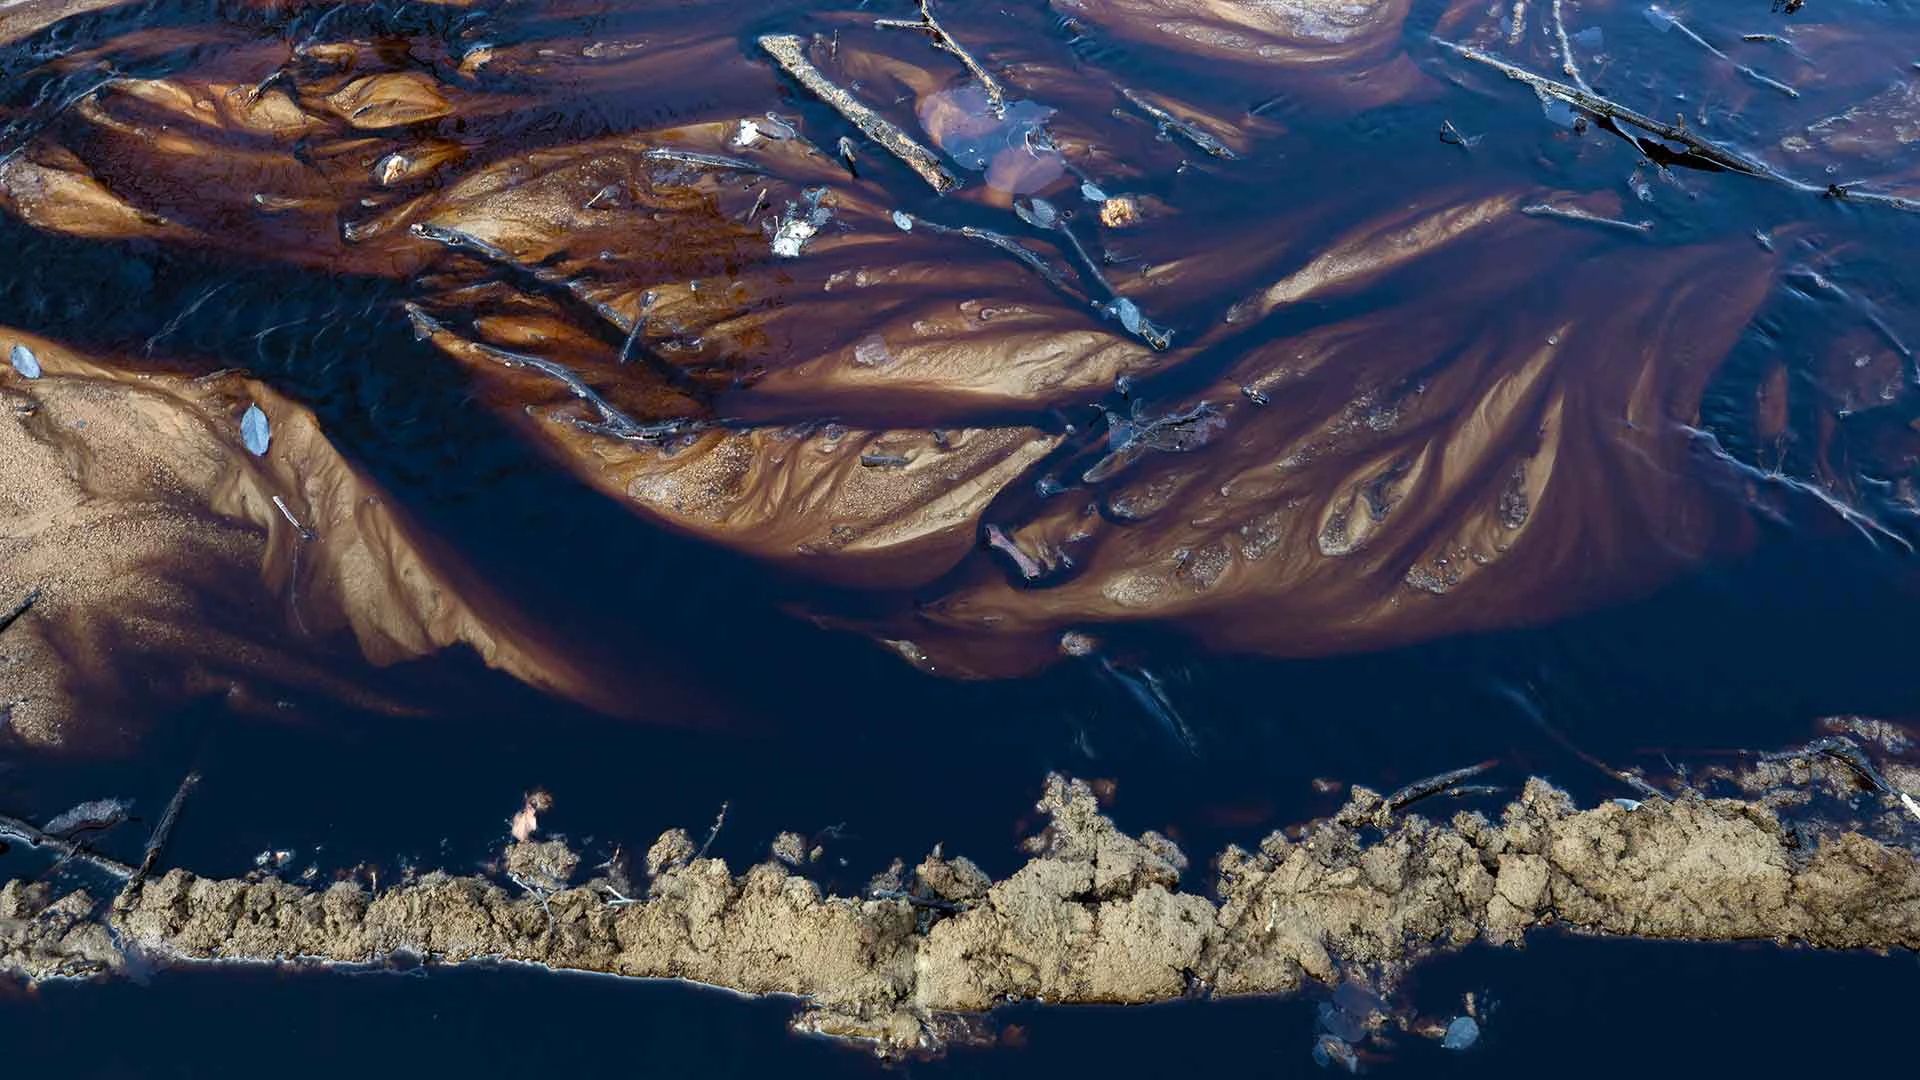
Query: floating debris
1092, 193
1574, 213
1120, 212
1452, 137
792, 235
255, 434
903, 221
1132, 435
747, 135
798, 226
24, 362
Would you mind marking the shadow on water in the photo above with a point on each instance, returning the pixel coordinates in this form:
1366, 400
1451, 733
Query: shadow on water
1626, 1005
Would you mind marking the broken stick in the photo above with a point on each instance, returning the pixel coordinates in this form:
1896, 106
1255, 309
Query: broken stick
163, 829
13, 615
945, 42
29, 834
789, 51
1704, 149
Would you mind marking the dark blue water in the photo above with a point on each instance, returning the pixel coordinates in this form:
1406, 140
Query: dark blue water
795, 727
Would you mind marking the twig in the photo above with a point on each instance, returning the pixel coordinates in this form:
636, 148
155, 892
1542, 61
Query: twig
19, 609
1574, 213
713, 833
1434, 785
305, 533
789, 52
614, 421
538, 894
945, 42
704, 161
1034, 260
1610, 110
1674, 21
1711, 152
1570, 66
1170, 122
27, 833
163, 829
619, 899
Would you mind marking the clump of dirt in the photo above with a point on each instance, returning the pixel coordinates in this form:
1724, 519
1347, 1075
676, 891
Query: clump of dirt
46, 938
1096, 914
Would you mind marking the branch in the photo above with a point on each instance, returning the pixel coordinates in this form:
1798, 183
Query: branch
945, 42
30, 835
163, 829
789, 52
19, 609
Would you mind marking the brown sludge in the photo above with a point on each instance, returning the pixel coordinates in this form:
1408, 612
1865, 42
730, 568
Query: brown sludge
1095, 916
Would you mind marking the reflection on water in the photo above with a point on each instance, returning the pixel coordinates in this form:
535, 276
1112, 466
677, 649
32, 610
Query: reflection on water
1276, 329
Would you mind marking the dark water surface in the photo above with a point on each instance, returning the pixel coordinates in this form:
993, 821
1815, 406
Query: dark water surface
1718, 548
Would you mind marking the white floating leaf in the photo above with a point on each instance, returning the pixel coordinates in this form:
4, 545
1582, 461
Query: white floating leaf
254, 432
25, 362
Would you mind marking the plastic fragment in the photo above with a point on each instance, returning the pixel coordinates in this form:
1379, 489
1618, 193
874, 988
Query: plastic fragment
24, 362
254, 432
1092, 193
903, 221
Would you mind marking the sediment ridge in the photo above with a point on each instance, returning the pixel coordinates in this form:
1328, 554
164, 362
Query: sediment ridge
1095, 916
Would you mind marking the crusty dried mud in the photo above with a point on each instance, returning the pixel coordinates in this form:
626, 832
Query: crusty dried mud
1096, 915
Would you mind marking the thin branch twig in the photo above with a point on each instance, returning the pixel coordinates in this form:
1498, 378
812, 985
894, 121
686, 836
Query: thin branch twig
945, 42
31, 835
163, 829
714, 833
1704, 149
13, 614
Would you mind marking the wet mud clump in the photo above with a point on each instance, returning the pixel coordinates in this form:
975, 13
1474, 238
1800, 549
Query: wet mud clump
1095, 915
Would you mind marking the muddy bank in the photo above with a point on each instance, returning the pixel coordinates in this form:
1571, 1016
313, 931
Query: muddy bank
1096, 914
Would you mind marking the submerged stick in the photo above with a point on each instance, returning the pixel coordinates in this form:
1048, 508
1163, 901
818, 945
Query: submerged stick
1704, 149
13, 614
1574, 213
614, 422
1434, 785
158, 841
1688, 32
1179, 127
945, 42
713, 834
1569, 64
29, 834
789, 52
1033, 259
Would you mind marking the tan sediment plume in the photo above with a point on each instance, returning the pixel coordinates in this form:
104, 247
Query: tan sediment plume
173, 563
1348, 51
725, 327
1097, 915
